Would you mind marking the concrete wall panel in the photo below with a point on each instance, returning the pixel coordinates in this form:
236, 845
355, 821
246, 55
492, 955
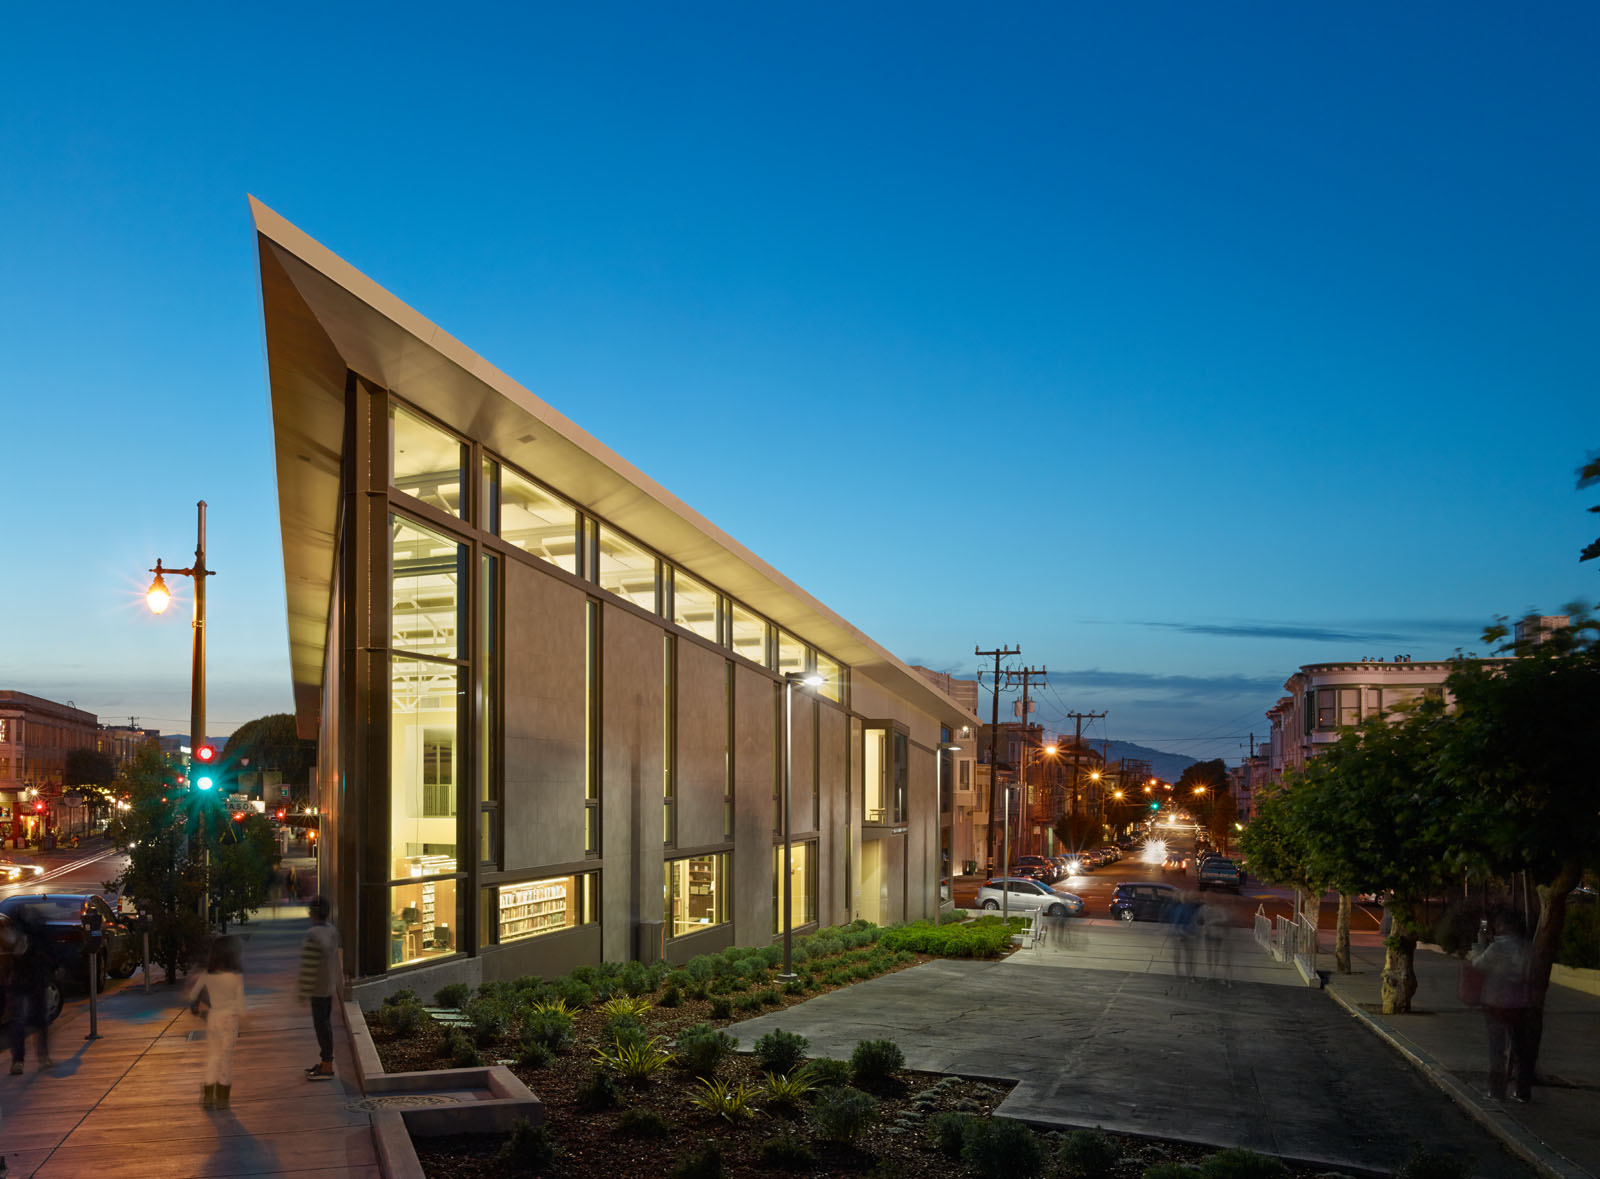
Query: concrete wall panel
544, 719
631, 777
702, 744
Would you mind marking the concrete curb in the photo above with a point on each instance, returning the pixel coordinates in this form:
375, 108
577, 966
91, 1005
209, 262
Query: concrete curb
1521, 1142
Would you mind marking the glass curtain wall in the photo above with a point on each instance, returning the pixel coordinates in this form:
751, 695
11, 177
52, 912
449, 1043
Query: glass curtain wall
427, 463
426, 689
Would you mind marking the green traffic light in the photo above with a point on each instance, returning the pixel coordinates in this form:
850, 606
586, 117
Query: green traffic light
204, 782
1155, 806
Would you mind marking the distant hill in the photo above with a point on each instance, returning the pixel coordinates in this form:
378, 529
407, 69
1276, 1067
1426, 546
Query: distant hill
1167, 766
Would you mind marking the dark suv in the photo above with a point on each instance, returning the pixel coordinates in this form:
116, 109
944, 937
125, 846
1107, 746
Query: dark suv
1216, 872
1142, 902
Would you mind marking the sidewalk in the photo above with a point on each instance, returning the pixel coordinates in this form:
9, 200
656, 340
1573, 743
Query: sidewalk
128, 1104
1559, 1131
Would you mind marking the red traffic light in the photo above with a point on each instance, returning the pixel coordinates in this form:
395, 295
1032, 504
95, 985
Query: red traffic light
280, 814
205, 754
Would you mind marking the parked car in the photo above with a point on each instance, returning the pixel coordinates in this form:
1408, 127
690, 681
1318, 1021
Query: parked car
1047, 863
1132, 901
1216, 872
1029, 872
1111, 853
65, 917
1029, 896
1073, 865
1090, 859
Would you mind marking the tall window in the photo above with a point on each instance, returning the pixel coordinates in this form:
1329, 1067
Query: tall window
875, 772
489, 714
626, 569
694, 892
427, 680
791, 653
802, 885
534, 520
832, 673
902, 768
695, 606
427, 463
747, 633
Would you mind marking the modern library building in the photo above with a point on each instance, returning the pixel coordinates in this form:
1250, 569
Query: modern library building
558, 711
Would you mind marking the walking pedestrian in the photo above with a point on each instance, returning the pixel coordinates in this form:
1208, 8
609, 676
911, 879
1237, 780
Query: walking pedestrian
1185, 933
1505, 962
319, 982
1214, 927
32, 970
217, 993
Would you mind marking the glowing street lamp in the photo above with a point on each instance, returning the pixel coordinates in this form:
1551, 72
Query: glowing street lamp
158, 597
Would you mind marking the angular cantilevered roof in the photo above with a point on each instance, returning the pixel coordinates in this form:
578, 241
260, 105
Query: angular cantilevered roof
324, 319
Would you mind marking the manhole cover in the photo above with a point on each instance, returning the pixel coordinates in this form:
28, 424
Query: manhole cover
400, 1101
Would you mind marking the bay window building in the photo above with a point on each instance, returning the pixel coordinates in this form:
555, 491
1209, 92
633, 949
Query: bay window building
550, 696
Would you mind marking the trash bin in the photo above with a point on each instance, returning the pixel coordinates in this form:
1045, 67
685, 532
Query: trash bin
49, 843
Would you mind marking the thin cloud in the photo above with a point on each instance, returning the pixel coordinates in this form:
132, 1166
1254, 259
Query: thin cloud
1386, 631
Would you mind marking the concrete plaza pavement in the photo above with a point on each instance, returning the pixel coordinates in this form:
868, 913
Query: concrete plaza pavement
128, 1103
1096, 1031
1446, 1042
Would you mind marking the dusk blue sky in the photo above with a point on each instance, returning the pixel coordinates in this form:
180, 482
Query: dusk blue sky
1180, 344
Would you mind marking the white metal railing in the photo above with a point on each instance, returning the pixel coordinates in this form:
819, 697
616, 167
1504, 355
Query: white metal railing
1288, 939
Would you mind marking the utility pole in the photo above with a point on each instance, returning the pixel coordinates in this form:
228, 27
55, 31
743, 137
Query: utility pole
1077, 751
994, 738
1024, 832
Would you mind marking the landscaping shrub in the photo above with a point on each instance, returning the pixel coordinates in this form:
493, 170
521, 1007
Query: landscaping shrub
748, 1004
952, 916
549, 1026
721, 1008
530, 1147
643, 1123
624, 1031
948, 1131
461, 1049
672, 996
534, 1055
625, 1005
1087, 1154
785, 1091
795, 986
573, 991
1427, 1164
786, 1152
402, 1019
967, 941
1238, 1163
999, 1148
725, 1099
702, 1048
585, 974
771, 956
489, 1019
771, 997
451, 995
780, 1051
699, 968
597, 1093
1171, 1171
705, 1163
403, 995
635, 1060
634, 979
842, 1114
751, 969
829, 1074
874, 1062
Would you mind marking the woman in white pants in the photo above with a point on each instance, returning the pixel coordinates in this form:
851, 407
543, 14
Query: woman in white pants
218, 994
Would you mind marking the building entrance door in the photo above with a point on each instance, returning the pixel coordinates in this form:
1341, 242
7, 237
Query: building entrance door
869, 903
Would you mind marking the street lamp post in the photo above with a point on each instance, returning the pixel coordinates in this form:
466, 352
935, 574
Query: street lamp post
808, 679
158, 596
1005, 855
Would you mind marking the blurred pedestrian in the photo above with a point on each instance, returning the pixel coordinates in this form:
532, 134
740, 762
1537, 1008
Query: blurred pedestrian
33, 968
319, 982
1214, 924
1505, 962
217, 993
1185, 933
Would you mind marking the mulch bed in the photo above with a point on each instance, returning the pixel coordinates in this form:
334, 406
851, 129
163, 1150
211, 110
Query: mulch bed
896, 1146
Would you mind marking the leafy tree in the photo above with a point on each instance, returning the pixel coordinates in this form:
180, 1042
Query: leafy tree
1518, 754
241, 861
273, 743
161, 872
1589, 476
1213, 775
89, 767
